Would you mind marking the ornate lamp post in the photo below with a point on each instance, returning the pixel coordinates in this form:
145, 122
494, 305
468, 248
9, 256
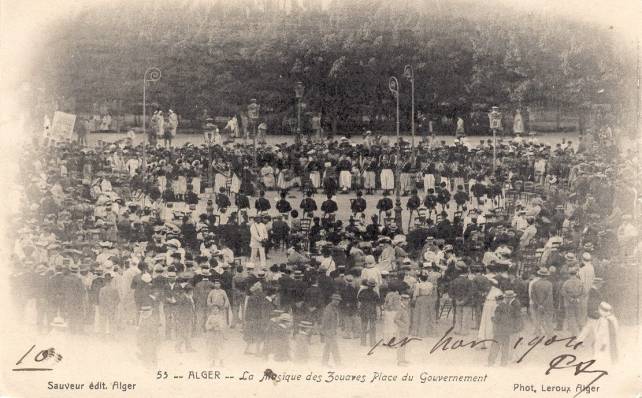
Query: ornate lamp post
409, 73
152, 74
393, 85
495, 118
211, 129
298, 93
253, 114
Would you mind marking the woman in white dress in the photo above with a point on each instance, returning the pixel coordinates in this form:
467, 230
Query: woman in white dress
605, 348
488, 311
267, 176
391, 306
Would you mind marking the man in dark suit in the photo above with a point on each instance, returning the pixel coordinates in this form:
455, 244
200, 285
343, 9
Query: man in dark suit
171, 291
191, 197
73, 299
368, 301
461, 292
507, 321
329, 325
185, 318
542, 297
201, 291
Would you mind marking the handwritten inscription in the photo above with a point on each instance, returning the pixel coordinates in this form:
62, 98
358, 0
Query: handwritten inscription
48, 355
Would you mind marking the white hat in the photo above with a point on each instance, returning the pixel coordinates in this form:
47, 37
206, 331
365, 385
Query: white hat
399, 239
586, 256
605, 307
146, 278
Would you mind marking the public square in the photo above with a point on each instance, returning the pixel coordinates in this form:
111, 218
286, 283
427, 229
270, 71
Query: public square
200, 198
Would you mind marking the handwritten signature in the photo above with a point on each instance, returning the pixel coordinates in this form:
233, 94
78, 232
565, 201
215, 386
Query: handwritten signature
581, 367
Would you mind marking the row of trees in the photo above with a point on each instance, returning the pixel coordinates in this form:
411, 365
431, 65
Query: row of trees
218, 56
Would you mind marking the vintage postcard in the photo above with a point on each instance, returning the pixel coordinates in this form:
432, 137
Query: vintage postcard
323, 198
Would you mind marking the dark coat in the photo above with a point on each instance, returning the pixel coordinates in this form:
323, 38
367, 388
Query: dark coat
542, 294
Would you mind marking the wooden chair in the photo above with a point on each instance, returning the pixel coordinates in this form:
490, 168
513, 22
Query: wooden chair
446, 305
228, 184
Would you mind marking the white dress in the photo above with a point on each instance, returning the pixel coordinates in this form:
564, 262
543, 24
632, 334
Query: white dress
486, 325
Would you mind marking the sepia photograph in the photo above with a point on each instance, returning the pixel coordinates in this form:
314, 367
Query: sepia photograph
323, 198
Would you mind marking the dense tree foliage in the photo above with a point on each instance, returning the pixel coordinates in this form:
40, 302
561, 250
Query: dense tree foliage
216, 56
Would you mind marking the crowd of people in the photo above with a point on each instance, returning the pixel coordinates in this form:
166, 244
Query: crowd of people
172, 244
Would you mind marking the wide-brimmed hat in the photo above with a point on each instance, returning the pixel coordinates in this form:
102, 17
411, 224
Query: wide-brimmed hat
509, 294
336, 296
543, 272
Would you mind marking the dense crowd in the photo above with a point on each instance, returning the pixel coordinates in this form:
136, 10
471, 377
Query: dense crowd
169, 240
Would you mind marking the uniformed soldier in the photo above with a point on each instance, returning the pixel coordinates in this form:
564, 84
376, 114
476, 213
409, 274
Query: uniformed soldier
223, 201
358, 204
261, 204
283, 206
308, 205
384, 204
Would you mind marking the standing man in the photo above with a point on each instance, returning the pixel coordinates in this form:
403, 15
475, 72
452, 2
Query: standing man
108, 299
82, 129
308, 205
185, 319
258, 239
542, 296
368, 303
329, 325
507, 321
461, 292
172, 125
402, 323
201, 293
261, 204
358, 205
572, 292
75, 299
586, 275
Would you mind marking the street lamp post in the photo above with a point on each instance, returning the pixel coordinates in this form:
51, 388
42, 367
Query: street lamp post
298, 92
409, 73
211, 129
253, 114
495, 124
393, 85
152, 74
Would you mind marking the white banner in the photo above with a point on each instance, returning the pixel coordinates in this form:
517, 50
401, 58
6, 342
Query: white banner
63, 125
